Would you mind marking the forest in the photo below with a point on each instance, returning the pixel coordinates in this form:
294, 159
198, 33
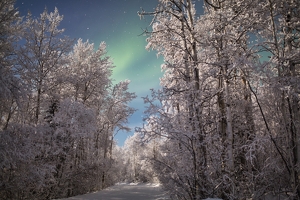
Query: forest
59, 110
225, 123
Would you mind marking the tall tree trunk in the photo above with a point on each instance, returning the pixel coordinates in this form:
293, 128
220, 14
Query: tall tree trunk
294, 108
38, 104
229, 131
104, 158
222, 124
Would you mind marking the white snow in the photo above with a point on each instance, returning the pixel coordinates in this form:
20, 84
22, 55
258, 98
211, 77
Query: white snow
212, 199
125, 191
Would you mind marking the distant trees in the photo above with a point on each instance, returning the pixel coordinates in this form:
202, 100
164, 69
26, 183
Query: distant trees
59, 110
229, 106
137, 155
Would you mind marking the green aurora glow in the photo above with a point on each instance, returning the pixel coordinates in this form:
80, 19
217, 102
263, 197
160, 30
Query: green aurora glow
117, 24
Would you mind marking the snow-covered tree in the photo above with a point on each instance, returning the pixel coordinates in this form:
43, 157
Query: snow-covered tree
114, 117
72, 146
57, 138
278, 38
9, 84
137, 160
39, 60
211, 110
88, 73
175, 37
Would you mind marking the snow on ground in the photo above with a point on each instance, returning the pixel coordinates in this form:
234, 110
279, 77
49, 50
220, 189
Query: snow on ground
212, 199
124, 191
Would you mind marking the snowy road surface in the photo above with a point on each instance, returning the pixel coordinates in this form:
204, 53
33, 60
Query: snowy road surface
126, 192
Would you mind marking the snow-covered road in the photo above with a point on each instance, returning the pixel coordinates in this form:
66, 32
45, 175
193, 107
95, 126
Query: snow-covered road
126, 192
